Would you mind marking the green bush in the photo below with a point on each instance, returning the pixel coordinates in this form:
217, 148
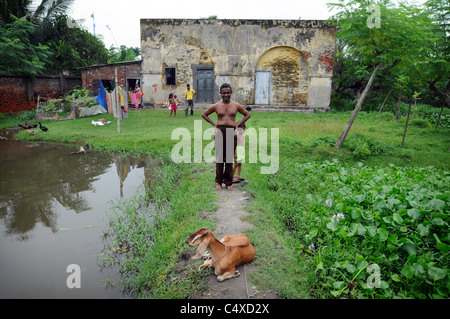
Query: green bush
362, 146
419, 122
361, 151
386, 116
26, 116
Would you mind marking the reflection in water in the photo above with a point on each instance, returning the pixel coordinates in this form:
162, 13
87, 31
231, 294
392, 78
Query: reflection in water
44, 187
125, 164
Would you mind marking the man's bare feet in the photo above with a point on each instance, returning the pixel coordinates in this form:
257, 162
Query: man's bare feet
229, 188
218, 187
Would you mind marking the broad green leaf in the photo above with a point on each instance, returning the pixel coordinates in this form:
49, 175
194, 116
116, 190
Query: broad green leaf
355, 214
440, 215
437, 204
414, 213
418, 269
393, 257
379, 204
423, 230
313, 233
336, 293
361, 230
408, 272
383, 233
440, 245
333, 226
436, 273
410, 248
438, 221
339, 284
444, 197
360, 198
384, 284
392, 202
350, 268
396, 277
372, 230
397, 218
319, 266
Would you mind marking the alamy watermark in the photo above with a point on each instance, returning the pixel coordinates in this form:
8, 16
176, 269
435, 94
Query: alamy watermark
374, 20
374, 280
72, 23
74, 279
257, 145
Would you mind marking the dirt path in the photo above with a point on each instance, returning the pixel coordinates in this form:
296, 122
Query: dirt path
228, 222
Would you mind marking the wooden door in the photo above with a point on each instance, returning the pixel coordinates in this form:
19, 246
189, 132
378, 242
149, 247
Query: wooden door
262, 87
205, 85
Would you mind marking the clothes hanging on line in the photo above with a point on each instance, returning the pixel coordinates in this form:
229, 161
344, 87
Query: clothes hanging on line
133, 98
108, 102
101, 97
123, 98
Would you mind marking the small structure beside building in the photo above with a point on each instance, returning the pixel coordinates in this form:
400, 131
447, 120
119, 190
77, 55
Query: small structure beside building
128, 75
269, 63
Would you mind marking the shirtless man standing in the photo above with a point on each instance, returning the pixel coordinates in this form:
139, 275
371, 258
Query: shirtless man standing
225, 134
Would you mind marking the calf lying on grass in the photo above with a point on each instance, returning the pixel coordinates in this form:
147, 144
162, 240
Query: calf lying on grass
231, 251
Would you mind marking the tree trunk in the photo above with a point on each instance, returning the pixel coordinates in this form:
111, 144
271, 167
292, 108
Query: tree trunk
381, 108
399, 105
406, 125
347, 127
439, 117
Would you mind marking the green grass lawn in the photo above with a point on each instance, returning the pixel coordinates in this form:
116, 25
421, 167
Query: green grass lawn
395, 205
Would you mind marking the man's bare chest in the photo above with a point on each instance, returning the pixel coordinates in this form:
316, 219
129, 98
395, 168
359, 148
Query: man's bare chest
226, 111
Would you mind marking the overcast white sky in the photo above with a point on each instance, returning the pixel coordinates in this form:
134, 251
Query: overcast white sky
123, 17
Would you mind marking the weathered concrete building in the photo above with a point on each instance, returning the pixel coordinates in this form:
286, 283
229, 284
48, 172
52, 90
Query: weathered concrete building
271, 63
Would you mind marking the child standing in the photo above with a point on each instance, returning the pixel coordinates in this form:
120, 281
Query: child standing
173, 105
239, 153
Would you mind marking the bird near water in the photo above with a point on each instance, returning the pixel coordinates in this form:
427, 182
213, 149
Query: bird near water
43, 128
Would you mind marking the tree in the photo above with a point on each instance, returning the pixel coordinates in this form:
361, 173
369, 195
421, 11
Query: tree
17, 54
73, 47
46, 10
435, 68
382, 35
13, 8
122, 54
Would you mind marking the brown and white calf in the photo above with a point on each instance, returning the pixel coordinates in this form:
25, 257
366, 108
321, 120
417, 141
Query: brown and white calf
226, 254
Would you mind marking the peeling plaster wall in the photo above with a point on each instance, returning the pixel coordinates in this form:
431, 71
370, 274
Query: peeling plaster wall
299, 54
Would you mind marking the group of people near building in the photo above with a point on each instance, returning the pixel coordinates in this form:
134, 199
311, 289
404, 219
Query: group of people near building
173, 101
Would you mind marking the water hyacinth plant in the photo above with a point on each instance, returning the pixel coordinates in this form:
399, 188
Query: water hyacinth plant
382, 232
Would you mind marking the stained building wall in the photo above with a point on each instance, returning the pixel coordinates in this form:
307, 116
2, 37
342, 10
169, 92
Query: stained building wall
297, 54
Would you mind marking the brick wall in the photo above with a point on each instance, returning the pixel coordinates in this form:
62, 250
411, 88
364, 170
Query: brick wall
91, 75
19, 93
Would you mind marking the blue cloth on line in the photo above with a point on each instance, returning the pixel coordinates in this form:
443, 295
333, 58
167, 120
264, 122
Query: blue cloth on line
101, 97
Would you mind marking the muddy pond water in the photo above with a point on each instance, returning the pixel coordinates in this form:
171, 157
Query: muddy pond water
53, 212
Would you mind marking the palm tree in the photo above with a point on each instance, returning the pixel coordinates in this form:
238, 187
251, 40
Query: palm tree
18, 8
46, 11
